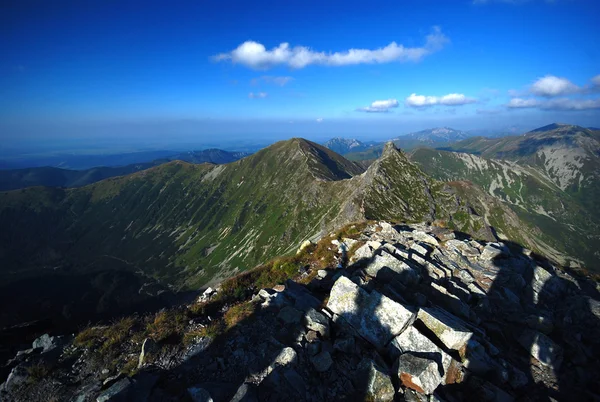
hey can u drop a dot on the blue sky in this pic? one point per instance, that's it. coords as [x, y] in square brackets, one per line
[310, 68]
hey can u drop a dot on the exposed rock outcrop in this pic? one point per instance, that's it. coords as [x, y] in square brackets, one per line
[420, 313]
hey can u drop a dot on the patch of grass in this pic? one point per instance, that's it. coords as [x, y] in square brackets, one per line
[237, 313]
[89, 337]
[130, 366]
[117, 333]
[37, 372]
[167, 324]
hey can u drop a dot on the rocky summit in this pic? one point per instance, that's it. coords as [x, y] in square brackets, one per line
[398, 312]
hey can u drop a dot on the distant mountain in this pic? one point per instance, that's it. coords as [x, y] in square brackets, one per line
[430, 137]
[344, 146]
[81, 161]
[213, 155]
[567, 154]
[57, 177]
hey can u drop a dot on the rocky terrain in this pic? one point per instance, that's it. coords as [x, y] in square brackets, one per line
[379, 312]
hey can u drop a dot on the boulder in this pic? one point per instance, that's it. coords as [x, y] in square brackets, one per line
[373, 382]
[245, 393]
[413, 341]
[418, 373]
[424, 237]
[287, 356]
[47, 342]
[289, 315]
[317, 321]
[542, 348]
[441, 296]
[405, 273]
[321, 361]
[363, 253]
[375, 317]
[446, 327]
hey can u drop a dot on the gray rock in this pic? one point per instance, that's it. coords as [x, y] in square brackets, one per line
[441, 296]
[411, 340]
[119, 391]
[406, 274]
[47, 342]
[542, 348]
[447, 328]
[419, 374]
[245, 393]
[375, 317]
[199, 395]
[477, 360]
[18, 375]
[420, 249]
[289, 315]
[318, 322]
[313, 348]
[462, 248]
[424, 237]
[287, 356]
[364, 252]
[322, 273]
[322, 361]
[374, 382]
[345, 345]
[494, 250]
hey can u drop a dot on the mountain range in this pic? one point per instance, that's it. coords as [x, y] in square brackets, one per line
[433, 137]
[183, 226]
[11, 179]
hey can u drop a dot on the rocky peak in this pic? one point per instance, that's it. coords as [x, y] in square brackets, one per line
[403, 312]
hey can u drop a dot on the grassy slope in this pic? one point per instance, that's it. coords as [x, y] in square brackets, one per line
[564, 223]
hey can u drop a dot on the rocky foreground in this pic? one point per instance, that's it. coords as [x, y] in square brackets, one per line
[416, 313]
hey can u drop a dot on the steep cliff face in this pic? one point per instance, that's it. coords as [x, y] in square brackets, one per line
[376, 312]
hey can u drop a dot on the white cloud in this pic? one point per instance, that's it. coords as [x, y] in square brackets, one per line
[596, 80]
[269, 79]
[551, 85]
[380, 106]
[420, 101]
[255, 55]
[319, 120]
[520, 103]
[257, 95]
[571, 104]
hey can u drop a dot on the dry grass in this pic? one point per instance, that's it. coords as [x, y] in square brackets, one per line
[167, 324]
[37, 372]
